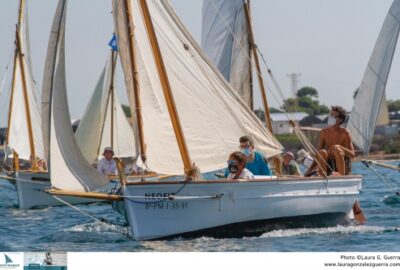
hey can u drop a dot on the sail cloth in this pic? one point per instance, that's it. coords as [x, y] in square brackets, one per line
[225, 40]
[94, 131]
[18, 136]
[69, 170]
[212, 115]
[370, 108]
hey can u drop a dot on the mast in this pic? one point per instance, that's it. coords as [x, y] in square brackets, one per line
[257, 63]
[250, 66]
[166, 88]
[136, 86]
[19, 57]
[113, 63]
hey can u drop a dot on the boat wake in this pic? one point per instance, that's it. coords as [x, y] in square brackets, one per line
[339, 230]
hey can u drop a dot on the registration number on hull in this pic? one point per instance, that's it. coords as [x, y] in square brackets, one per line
[166, 205]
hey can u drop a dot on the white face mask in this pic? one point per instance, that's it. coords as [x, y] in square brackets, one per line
[331, 120]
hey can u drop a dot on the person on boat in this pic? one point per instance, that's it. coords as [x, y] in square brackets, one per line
[48, 260]
[107, 165]
[335, 149]
[304, 158]
[237, 167]
[256, 163]
[289, 167]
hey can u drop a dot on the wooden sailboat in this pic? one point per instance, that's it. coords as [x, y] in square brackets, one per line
[192, 115]
[24, 135]
[370, 107]
[31, 186]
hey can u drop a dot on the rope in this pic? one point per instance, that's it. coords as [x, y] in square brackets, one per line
[91, 216]
[390, 183]
[6, 73]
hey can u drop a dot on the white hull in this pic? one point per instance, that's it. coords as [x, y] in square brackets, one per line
[30, 189]
[193, 209]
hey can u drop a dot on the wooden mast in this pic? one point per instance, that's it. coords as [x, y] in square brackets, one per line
[251, 66]
[19, 57]
[166, 88]
[113, 63]
[136, 86]
[257, 62]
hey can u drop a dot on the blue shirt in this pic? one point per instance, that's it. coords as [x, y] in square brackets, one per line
[258, 166]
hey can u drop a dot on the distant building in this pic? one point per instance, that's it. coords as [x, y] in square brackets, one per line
[281, 121]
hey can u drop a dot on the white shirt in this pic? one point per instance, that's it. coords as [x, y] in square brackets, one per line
[246, 174]
[107, 167]
[308, 161]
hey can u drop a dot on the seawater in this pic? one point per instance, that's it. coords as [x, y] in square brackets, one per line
[65, 229]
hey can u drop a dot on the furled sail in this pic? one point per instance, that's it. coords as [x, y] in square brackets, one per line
[95, 128]
[69, 170]
[21, 105]
[225, 39]
[212, 115]
[370, 108]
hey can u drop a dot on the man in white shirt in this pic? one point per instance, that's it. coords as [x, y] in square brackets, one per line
[237, 167]
[106, 165]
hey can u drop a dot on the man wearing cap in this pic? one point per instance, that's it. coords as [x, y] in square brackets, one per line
[106, 165]
[289, 167]
[335, 150]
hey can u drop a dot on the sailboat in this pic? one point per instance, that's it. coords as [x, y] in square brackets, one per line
[188, 115]
[31, 185]
[370, 107]
[24, 136]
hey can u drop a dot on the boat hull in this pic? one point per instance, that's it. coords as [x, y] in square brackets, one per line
[30, 189]
[156, 210]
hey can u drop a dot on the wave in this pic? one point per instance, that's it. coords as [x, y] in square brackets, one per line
[339, 230]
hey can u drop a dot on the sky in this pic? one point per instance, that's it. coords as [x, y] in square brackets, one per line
[328, 41]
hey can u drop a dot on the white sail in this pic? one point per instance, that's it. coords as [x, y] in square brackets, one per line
[212, 115]
[370, 106]
[225, 39]
[69, 170]
[123, 139]
[18, 136]
[94, 131]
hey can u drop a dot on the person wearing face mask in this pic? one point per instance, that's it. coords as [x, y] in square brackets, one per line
[236, 167]
[335, 149]
[256, 162]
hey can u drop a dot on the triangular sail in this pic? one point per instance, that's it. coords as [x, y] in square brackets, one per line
[18, 135]
[370, 106]
[212, 115]
[69, 170]
[225, 39]
[94, 131]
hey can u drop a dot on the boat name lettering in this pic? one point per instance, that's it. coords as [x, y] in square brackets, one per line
[157, 196]
[166, 205]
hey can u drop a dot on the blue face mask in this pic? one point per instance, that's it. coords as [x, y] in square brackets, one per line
[246, 151]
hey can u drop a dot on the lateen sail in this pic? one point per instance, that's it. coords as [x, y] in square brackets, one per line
[370, 108]
[212, 115]
[69, 170]
[225, 40]
[18, 136]
[94, 131]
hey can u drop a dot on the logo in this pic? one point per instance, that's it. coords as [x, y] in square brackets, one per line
[7, 262]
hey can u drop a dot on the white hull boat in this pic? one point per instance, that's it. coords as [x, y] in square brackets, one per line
[31, 189]
[160, 210]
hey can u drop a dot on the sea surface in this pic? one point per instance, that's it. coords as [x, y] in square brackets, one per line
[66, 229]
